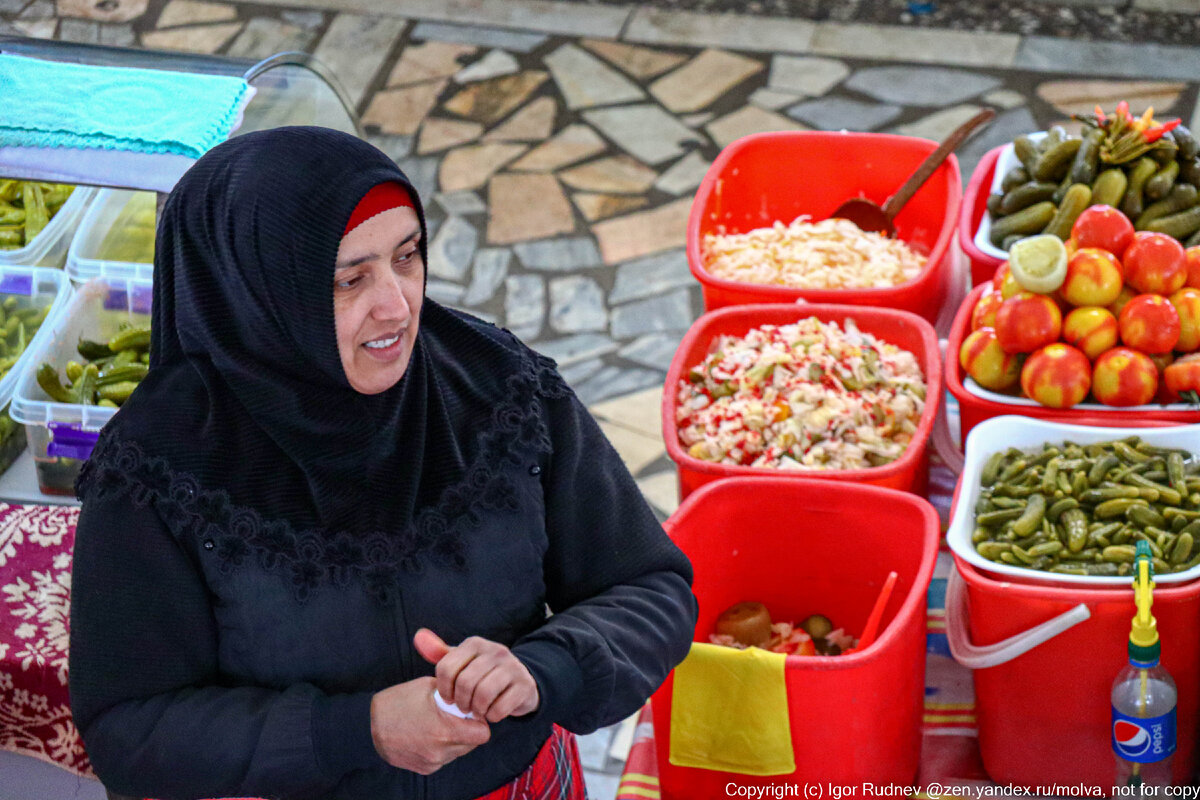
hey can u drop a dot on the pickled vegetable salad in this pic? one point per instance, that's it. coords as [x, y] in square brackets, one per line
[802, 396]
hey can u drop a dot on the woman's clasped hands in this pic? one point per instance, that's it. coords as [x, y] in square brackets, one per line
[479, 676]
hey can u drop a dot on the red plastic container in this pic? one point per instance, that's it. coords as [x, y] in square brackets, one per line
[910, 472]
[1044, 716]
[768, 177]
[854, 718]
[974, 206]
[973, 410]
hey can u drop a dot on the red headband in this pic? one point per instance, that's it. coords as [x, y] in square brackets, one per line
[382, 197]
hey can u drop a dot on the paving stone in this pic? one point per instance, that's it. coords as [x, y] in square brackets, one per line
[264, 37]
[102, 10]
[402, 110]
[920, 86]
[491, 101]
[444, 292]
[422, 173]
[703, 80]
[470, 167]
[645, 131]
[37, 28]
[639, 411]
[593, 748]
[534, 122]
[580, 347]
[492, 65]
[524, 304]
[580, 371]
[695, 121]
[1195, 123]
[1005, 98]
[918, 45]
[524, 207]
[192, 12]
[643, 233]
[487, 274]
[1169, 6]
[692, 29]
[615, 175]
[461, 203]
[1081, 97]
[611, 381]
[658, 314]
[452, 248]
[484, 37]
[655, 350]
[559, 255]
[772, 99]
[637, 451]
[585, 81]
[685, 175]
[643, 63]
[806, 75]
[309, 20]
[394, 146]
[442, 134]
[602, 206]
[838, 113]
[1114, 59]
[427, 61]
[577, 305]
[650, 276]
[661, 490]
[12, 6]
[938, 125]
[354, 47]
[86, 31]
[193, 39]
[573, 143]
[38, 9]
[748, 120]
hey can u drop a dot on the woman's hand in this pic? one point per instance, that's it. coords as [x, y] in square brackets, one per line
[480, 676]
[410, 731]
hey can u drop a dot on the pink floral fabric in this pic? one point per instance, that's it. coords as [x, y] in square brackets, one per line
[36, 543]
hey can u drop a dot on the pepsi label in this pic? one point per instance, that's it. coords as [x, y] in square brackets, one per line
[1143, 739]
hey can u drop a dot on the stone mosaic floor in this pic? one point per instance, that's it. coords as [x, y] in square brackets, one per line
[558, 146]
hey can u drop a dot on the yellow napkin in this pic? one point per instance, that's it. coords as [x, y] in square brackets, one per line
[729, 712]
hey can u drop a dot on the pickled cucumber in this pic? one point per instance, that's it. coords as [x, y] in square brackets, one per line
[1026, 221]
[1182, 197]
[1026, 195]
[1109, 187]
[1142, 171]
[1077, 198]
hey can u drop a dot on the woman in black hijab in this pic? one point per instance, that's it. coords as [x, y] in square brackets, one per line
[327, 483]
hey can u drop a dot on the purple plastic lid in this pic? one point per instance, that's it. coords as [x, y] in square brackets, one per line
[118, 300]
[70, 442]
[16, 284]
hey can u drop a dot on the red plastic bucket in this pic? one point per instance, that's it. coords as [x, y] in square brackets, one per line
[1044, 716]
[910, 472]
[803, 547]
[973, 409]
[974, 206]
[768, 177]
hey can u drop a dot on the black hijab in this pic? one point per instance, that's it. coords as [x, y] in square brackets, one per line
[246, 420]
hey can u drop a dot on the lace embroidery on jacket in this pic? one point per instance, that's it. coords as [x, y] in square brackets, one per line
[308, 558]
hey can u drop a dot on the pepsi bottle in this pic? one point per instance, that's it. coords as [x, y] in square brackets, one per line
[1143, 722]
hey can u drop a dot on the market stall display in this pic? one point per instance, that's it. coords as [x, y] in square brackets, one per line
[115, 238]
[37, 220]
[770, 178]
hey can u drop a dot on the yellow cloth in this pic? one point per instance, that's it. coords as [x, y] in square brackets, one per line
[729, 712]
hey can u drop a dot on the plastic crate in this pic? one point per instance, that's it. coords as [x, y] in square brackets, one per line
[61, 435]
[49, 248]
[32, 288]
[787, 543]
[901, 328]
[768, 177]
[976, 404]
[111, 241]
[974, 209]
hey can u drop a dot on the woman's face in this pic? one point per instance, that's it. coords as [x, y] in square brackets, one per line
[378, 286]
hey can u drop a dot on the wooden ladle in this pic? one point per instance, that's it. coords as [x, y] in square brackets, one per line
[870, 217]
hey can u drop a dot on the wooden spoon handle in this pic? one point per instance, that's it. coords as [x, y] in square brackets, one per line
[894, 203]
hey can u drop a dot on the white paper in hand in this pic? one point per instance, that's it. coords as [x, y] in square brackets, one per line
[450, 708]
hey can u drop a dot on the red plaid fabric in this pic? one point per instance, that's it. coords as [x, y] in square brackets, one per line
[555, 773]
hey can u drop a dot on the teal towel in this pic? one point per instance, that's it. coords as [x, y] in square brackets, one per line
[50, 104]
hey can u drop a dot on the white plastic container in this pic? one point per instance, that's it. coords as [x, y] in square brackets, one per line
[115, 213]
[1007, 160]
[49, 248]
[61, 435]
[37, 288]
[1026, 433]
